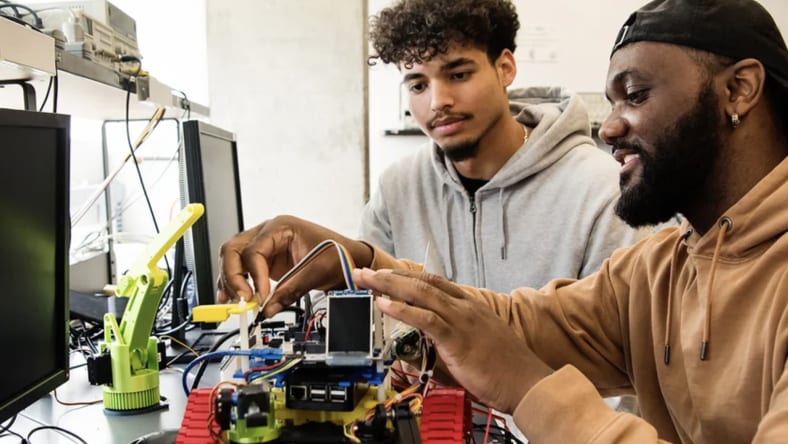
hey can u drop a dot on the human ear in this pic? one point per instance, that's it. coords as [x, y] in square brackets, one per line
[506, 67]
[744, 84]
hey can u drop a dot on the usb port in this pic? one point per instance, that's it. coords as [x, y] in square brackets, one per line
[338, 394]
[317, 393]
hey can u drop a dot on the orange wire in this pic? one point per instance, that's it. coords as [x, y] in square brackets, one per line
[76, 402]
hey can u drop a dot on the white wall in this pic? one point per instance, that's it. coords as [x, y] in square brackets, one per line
[289, 77]
[580, 34]
[561, 42]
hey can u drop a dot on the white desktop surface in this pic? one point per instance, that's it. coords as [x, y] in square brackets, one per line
[90, 422]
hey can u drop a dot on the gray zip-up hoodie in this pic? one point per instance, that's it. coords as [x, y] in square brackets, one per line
[547, 213]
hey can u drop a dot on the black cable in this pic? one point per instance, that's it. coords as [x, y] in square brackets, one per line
[22, 438]
[16, 11]
[214, 347]
[177, 357]
[131, 148]
[180, 275]
[57, 429]
[4, 428]
[173, 330]
[165, 294]
[170, 291]
[293, 308]
[37, 22]
[500, 432]
[19, 21]
[87, 338]
[187, 105]
[160, 312]
[54, 95]
[185, 284]
[46, 96]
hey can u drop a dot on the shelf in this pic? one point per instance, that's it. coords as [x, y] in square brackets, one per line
[85, 88]
[94, 91]
[25, 53]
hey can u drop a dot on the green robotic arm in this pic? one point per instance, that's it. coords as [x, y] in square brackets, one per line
[131, 380]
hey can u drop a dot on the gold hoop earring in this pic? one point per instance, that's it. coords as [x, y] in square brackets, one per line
[735, 121]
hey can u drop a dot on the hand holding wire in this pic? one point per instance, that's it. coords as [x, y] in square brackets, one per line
[277, 249]
[464, 331]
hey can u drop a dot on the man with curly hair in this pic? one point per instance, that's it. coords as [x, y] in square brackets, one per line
[506, 194]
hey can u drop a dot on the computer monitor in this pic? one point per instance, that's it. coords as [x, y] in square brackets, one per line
[210, 175]
[34, 234]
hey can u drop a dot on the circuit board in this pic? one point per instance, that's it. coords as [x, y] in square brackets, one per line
[324, 378]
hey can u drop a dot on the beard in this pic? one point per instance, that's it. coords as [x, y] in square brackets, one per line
[461, 151]
[679, 167]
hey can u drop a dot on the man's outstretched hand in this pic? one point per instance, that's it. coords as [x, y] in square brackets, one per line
[477, 347]
[269, 250]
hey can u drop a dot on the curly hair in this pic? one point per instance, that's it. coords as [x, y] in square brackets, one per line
[415, 31]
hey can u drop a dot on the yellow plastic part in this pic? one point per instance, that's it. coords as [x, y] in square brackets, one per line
[220, 312]
[145, 265]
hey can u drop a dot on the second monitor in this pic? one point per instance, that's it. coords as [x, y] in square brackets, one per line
[210, 175]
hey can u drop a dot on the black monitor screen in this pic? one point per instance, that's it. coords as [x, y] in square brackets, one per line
[34, 265]
[349, 321]
[211, 176]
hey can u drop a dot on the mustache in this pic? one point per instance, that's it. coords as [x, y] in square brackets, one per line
[445, 116]
[629, 146]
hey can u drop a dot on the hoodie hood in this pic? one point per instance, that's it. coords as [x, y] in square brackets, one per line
[757, 219]
[751, 225]
[504, 235]
[557, 128]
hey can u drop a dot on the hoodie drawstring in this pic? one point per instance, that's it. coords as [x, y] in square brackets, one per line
[446, 202]
[503, 223]
[668, 315]
[704, 345]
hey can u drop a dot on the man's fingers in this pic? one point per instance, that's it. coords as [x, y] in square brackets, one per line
[222, 295]
[272, 308]
[431, 323]
[286, 294]
[256, 263]
[232, 279]
[412, 287]
[436, 281]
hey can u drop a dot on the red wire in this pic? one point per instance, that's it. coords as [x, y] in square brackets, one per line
[262, 369]
[489, 421]
[499, 418]
[311, 321]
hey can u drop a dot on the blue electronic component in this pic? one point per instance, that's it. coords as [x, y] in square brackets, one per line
[350, 293]
[260, 353]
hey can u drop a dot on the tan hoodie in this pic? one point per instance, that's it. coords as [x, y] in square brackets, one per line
[608, 334]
